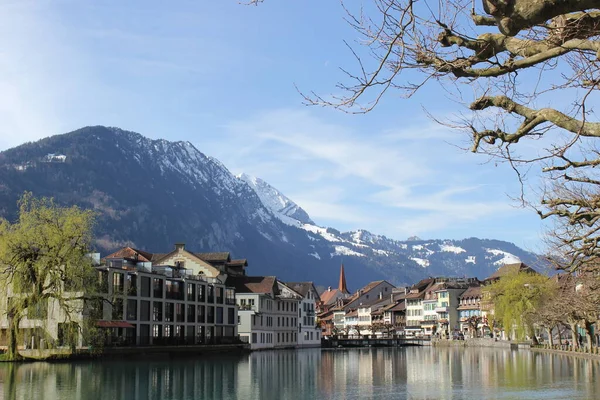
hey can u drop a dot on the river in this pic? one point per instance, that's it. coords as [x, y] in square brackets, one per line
[377, 373]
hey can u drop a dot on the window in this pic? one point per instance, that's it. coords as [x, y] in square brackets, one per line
[220, 297]
[174, 290]
[157, 311]
[117, 309]
[201, 314]
[211, 294]
[191, 292]
[132, 285]
[191, 313]
[254, 337]
[169, 312]
[179, 312]
[118, 282]
[230, 297]
[131, 309]
[156, 331]
[231, 316]
[144, 310]
[210, 315]
[157, 288]
[145, 283]
[202, 293]
[103, 281]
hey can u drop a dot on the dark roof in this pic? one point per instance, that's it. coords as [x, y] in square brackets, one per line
[352, 313]
[302, 287]
[253, 284]
[397, 307]
[472, 291]
[238, 263]
[221, 257]
[510, 269]
[131, 253]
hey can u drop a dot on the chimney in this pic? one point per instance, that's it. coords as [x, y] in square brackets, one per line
[380, 296]
[329, 288]
[179, 246]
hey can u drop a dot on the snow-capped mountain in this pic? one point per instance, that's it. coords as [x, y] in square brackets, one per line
[281, 206]
[154, 193]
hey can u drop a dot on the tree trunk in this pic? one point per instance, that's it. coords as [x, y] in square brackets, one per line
[588, 335]
[574, 341]
[559, 334]
[13, 328]
[550, 339]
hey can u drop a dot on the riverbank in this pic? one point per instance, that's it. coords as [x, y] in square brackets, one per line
[541, 349]
[480, 342]
[137, 352]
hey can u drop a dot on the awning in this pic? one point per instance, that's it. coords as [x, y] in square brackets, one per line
[114, 324]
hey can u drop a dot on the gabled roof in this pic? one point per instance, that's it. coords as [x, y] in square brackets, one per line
[510, 269]
[222, 257]
[329, 296]
[472, 291]
[253, 284]
[303, 288]
[401, 306]
[131, 253]
[352, 313]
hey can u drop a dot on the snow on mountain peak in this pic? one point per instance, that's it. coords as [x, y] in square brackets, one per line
[280, 205]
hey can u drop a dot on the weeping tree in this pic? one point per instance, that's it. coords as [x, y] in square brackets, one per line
[45, 272]
[516, 299]
[519, 70]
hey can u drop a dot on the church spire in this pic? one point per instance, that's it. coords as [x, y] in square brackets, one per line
[342, 285]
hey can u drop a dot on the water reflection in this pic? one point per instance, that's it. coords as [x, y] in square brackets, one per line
[411, 373]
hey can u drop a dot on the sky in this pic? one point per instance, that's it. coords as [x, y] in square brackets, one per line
[226, 77]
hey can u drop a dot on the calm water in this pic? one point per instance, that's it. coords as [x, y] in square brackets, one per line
[385, 373]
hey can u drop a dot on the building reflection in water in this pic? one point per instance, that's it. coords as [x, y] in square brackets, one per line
[313, 374]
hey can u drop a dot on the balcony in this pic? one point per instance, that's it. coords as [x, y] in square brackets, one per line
[247, 307]
[429, 322]
[441, 309]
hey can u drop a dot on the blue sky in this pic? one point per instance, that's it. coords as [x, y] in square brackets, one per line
[224, 76]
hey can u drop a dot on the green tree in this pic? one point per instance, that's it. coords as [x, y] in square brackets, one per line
[516, 297]
[44, 265]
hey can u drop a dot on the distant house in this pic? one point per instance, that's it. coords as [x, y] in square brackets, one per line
[509, 269]
[329, 297]
[51, 157]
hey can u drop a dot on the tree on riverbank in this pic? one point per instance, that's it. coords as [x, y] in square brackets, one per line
[515, 298]
[44, 267]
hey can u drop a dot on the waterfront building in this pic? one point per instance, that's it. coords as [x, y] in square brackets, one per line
[268, 312]
[414, 306]
[309, 333]
[447, 303]
[147, 299]
[174, 298]
[469, 311]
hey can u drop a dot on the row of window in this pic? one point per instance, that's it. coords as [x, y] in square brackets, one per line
[282, 337]
[164, 312]
[166, 288]
[281, 321]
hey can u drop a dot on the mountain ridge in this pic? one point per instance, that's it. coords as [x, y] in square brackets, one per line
[154, 192]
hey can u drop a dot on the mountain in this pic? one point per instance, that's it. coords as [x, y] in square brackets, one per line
[154, 193]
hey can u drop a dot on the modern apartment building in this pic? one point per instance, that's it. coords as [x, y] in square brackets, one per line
[174, 298]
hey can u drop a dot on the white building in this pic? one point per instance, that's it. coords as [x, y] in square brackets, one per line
[268, 312]
[309, 333]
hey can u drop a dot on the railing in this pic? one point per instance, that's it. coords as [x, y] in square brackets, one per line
[247, 307]
[441, 309]
[116, 341]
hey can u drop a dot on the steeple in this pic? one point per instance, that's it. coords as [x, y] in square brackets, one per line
[342, 286]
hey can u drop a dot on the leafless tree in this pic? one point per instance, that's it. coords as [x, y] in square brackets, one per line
[527, 71]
